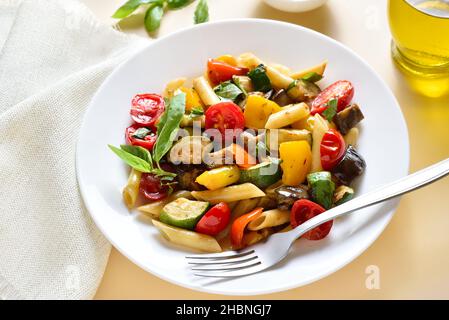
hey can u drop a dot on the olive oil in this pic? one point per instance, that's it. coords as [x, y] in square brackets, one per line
[420, 46]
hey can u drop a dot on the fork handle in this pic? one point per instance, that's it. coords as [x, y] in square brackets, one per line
[404, 185]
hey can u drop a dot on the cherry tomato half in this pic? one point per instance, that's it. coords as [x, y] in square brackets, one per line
[146, 109]
[214, 220]
[304, 210]
[341, 90]
[148, 140]
[332, 149]
[152, 188]
[225, 115]
[219, 71]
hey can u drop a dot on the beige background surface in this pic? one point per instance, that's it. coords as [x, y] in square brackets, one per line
[412, 253]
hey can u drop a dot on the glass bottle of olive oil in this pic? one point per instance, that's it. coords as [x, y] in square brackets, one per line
[420, 30]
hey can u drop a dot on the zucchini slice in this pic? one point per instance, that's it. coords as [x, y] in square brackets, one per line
[262, 175]
[183, 213]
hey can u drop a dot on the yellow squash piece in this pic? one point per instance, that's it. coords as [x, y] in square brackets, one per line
[258, 110]
[192, 99]
[220, 177]
[296, 159]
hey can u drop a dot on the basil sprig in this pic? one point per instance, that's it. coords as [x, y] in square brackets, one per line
[331, 109]
[136, 157]
[156, 8]
[260, 80]
[168, 126]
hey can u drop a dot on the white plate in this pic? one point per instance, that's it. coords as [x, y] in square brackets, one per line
[101, 175]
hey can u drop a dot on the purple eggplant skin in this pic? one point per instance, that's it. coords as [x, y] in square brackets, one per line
[350, 166]
[286, 195]
[348, 118]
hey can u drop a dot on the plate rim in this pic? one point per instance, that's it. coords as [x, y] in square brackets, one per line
[394, 203]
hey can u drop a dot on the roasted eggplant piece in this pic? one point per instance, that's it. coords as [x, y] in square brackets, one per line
[350, 166]
[348, 118]
[281, 98]
[301, 90]
[286, 195]
[186, 176]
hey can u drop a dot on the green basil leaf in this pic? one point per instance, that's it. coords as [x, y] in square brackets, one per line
[129, 7]
[312, 77]
[331, 109]
[137, 151]
[169, 125]
[153, 17]
[196, 112]
[177, 4]
[228, 91]
[201, 12]
[260, 80]
[132, 160]
[141, 133]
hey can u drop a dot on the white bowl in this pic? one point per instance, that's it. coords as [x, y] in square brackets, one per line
[295, 5]
[101, 175]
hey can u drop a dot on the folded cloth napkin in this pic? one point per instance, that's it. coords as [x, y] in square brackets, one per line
[53, 57]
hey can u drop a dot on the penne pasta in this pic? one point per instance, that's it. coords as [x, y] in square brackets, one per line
[317, 69]
[172, 86]
[248, 60]
[245, 206]
[278, 79]
[281, 68]
[131, 190]
[253, 237]
[154, 208]
[319, 129]
[270, 218]
[287, 116]
[205, 91]
[229, 194]
[351, 137]
[188, 238]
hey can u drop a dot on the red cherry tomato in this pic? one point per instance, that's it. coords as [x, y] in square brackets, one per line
[219, 71]
[341, 90]
[146, 109]
[332, 149]
[304, 210]
[215, 220]
[147, 142]
[151, 187]
[225, 115]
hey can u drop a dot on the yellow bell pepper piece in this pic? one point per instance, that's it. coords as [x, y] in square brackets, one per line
[227, 58]
[296, 159]
[258, 110]
[192, 99]
[219, 178]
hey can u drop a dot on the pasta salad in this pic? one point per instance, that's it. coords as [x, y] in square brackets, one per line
[246, 150]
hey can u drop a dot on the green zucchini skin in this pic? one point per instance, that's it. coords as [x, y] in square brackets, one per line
[183, 213]
[258, 177]
[321, 188]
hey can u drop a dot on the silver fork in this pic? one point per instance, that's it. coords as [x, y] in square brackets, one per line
[264, 255]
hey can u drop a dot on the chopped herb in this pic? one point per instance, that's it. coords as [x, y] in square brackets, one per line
[331, 109]
[196, 112]
[312, 77]
[141, 133]
[260, 80]
[229, 91]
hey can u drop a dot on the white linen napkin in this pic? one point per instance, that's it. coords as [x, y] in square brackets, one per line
[53, 57]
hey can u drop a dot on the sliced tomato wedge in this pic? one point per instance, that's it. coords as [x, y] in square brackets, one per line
[239, 225]
[219, 71]
[304, 210]
[140, 136]
[341, 90]
[152, 188]
[226, 117]
[332, 149]
[146, 109]
[214, 220]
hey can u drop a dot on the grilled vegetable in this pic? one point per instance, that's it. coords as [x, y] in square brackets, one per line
[348, 118]
[321, 188]
[186, 176]
[263, 174]
[183, 213]
[281, 98]
[220, 177]
[287, 195]
[257, 111]
[350, 167]
[300, 90]
[296, 159]
[343, 194]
